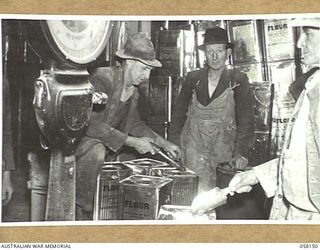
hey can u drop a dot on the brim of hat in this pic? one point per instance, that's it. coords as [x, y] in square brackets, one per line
[152, 63]
[305, 22]
[229, 45]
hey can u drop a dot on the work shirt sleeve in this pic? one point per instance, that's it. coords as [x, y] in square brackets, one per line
[136, 126]
[111, 137]
[266, 173]
[139, 128]
[244, 116]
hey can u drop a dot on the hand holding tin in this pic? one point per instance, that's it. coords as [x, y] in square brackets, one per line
[239, 162]
[173, 150]
[166, 156]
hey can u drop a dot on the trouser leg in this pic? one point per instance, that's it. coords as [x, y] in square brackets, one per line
[88, 166]
[38, 183]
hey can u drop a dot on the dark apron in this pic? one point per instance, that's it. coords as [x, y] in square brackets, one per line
[208, 137]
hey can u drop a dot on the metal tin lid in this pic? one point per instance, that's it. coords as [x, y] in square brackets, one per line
[143, 180]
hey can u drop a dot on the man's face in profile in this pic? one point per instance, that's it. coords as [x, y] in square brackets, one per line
[139, 72]
[309, 43]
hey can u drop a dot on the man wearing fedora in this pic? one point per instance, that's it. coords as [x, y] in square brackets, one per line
[293, 179]
[213, 117]
[118, 123]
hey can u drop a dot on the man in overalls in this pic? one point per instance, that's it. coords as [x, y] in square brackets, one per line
[294, 178]
[214, 112]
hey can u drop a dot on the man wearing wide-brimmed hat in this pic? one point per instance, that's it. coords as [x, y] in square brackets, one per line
[118, 123]
[213, 117]
[293, 179]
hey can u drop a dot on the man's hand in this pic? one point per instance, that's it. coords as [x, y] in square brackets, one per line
[142, 145]
[7, 188]
[242, 182]
[173, 150]
[239, 162]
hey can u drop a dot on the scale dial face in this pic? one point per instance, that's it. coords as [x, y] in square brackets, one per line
[80, 41]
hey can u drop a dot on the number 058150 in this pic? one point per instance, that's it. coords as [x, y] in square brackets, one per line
[309, 245]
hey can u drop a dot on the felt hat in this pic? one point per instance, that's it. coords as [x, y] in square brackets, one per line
[216, 36]
[139, 47]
